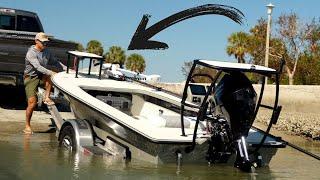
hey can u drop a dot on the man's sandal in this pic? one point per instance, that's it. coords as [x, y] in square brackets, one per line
[49, 103]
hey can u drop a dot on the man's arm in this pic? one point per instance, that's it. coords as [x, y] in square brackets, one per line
[32, 58]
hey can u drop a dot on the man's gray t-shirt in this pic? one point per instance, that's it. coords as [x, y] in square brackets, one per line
[38, 62]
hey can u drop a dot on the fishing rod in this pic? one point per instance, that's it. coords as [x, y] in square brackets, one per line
[292, 145]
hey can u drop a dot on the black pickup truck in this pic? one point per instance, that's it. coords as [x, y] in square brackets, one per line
[17, 31]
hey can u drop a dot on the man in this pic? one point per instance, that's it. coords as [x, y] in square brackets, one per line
[37, 72]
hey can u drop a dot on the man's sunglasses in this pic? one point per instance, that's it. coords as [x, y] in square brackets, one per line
[44, 43]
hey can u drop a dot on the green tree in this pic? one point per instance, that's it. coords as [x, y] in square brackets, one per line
[135, 62]
[308, 71]
[257, 46]
[94, 46]
[79, 46]
[237, 46]
[257, 42]
[115, 55]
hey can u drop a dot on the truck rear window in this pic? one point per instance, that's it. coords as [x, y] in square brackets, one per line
[27, 23]
[7, 22]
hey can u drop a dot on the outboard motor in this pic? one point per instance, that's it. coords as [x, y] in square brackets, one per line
[235, 102]
[237, 99]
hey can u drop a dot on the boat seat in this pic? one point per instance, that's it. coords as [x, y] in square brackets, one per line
[152, 120]
[175, 121]
[168, 121]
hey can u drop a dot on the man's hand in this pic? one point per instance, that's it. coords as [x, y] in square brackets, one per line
[53, 73]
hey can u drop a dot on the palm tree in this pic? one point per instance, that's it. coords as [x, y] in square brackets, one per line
[95, 47]
[135, 62]
[79, 46]
[238, 45]
[115, 55]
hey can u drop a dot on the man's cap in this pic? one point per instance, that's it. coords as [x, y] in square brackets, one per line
[42, 37]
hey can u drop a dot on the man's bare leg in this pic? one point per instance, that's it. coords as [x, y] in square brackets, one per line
[32, 102]
[48, 87]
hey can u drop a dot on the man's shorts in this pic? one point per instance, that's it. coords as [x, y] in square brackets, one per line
[31, 84]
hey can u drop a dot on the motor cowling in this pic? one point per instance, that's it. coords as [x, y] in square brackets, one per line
[236, 96]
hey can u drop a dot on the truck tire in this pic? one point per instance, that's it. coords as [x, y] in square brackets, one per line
[67, 139]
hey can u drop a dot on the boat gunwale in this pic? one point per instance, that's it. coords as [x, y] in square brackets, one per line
[152, 139]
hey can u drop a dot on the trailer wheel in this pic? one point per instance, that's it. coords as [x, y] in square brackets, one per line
[67, 139]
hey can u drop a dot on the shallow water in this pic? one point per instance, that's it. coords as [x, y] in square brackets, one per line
[39, 157]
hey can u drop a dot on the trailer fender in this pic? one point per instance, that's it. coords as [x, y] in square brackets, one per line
[82, 132]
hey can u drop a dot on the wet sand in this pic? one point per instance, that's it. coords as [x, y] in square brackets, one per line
[12, 112]
[14, 120]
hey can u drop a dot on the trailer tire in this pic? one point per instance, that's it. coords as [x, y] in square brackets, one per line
[67, 139]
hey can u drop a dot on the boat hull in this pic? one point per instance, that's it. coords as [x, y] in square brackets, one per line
[162, 152]
[142, 148]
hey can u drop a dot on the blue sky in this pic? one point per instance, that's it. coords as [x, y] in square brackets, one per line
[114, 22]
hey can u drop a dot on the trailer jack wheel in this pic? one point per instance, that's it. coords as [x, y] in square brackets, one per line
[67, 139]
